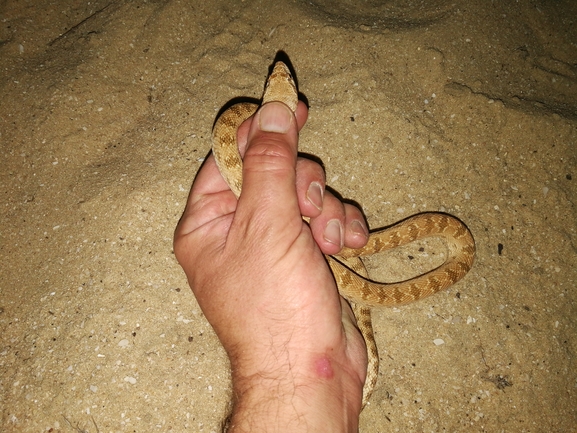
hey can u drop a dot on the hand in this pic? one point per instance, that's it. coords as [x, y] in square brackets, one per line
[258, 272]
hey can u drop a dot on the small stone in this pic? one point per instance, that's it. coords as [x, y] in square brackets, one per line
[438, 341]
[130, 379]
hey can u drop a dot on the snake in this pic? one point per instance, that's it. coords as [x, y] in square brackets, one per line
[348, 269]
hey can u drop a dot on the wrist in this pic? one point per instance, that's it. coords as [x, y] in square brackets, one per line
[316, 393]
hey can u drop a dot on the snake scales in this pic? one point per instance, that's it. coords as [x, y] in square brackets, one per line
[348, 269]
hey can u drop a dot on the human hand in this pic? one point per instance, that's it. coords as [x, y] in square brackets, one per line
[259, 275]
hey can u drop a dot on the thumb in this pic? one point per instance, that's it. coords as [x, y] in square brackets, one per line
[269, 176]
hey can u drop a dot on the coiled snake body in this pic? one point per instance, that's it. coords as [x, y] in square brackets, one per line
[348, 269]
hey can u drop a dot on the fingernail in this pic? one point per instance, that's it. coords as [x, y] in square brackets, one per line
[358, 228]
[315, 195]
[334, 233]
[275, 117]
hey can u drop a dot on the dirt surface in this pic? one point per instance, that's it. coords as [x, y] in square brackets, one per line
[466, 107]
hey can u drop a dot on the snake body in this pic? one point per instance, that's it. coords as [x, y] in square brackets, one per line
[347, 267]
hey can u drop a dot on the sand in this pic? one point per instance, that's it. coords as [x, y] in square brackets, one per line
[106, 113]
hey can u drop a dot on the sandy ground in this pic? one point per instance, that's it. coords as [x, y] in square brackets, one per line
[105, 117]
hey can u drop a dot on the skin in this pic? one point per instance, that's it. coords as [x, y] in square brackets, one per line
[257, 270]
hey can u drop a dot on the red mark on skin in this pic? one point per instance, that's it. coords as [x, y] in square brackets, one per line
[323, 368]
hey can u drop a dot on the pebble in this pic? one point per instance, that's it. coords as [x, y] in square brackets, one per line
[438, 341]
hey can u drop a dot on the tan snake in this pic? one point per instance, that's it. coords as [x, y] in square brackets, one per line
[348, 269]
